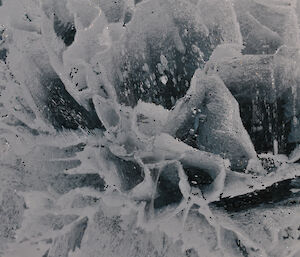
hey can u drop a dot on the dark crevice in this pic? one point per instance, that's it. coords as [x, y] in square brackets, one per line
[131, 174]
[241, 247]
[198, 178]
[3, 54]
[66, 31]
[168, 190]
[275, 193]
[267, 123]
[65, 112]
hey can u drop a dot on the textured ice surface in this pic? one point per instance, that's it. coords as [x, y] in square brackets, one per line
[149, 128]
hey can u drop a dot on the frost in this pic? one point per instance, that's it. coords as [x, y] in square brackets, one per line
[149, 128]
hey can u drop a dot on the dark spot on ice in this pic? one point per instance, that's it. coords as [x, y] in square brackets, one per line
[137, 1]
[3, 54]
[65, 31]
[127, 18]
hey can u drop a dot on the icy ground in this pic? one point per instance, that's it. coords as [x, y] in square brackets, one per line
[149, 128]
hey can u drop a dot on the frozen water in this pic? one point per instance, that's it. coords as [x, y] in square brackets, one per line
[149, 128]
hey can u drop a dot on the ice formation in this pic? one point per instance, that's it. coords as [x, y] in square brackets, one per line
[149, 128]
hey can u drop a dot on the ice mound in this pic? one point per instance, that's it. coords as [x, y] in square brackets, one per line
[159, 43]
[207, 113]
[266, 88]
[266, 25]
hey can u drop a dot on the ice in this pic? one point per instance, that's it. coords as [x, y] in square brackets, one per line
[71, 239]
[151, 22]
[210, 133]
[127, 126]
[258, 39]
[268, 82]
[220, 18]
[278, 21]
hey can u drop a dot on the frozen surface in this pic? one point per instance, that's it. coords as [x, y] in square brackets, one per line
[149, 128]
